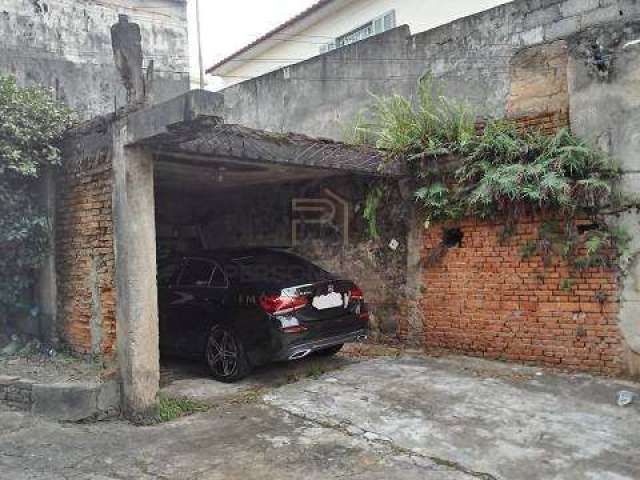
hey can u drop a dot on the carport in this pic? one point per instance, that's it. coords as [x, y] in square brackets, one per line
[166, 154]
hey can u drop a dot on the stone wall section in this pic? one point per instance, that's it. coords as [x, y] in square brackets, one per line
[539, 80]
[66, 401]
[16, 392]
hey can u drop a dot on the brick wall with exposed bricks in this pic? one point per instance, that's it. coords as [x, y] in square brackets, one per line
[485, 298]
[84, 253]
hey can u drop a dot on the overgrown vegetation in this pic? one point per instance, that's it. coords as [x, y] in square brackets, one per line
[460, 170]
[31, 125]
[372, 202]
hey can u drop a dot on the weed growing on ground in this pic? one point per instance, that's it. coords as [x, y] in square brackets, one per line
[169, 408]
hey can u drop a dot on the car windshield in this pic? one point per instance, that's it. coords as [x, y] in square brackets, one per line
[277, 268]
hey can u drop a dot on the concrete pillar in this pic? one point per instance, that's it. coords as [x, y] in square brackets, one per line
[629, 316]
[46, 290]
[136, 290]
[415, 241]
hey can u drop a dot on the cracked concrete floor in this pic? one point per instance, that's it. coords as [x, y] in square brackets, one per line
[406, 418]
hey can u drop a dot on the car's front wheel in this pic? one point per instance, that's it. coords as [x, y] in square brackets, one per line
[225, 355]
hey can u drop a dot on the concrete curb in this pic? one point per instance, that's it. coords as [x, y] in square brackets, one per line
[62, 401]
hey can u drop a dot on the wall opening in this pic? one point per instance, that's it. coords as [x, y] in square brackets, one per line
[452, 237]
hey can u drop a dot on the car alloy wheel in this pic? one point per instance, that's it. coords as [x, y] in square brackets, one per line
[225, 355]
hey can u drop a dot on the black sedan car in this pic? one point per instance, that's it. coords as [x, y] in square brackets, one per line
[242, 308]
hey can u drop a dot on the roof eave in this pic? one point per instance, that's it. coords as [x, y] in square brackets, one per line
[290, 27]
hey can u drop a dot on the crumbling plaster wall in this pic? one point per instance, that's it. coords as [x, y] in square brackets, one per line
[605, 108]
[66, 45]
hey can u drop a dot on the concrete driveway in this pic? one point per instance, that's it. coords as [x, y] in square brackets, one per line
[382, 418]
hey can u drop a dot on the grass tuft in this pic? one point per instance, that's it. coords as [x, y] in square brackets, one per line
[169, 408]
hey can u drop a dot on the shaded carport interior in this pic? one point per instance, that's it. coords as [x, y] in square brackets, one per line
[233, 172]
[179, 154]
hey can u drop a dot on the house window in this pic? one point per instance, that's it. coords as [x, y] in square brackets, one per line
[374, 27]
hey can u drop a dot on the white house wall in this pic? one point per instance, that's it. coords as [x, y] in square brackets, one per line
[419, 15]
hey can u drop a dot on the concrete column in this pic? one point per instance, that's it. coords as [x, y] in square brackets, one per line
[136, 290]
[629, 316]
[46, 287]
[415, 241]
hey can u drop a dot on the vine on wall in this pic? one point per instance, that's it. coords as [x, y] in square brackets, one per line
[501, 171]
[32, 123]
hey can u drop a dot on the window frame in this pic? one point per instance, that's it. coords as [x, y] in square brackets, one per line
[338, 42]
[224, 276]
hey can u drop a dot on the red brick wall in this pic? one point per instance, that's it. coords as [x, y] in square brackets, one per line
[548, 123]
[84, 253]
[483, 298]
